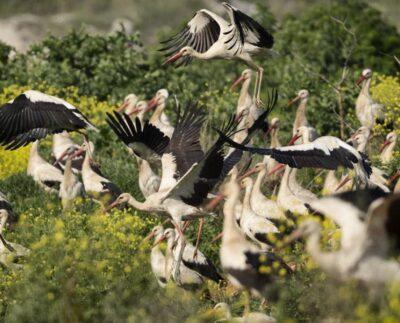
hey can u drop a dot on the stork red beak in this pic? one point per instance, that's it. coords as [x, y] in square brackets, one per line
[148, 237]
[122, 107]
[173, 58]
[214, 202]
[293, 140]
[237, 82]
[360, 80]
[77, 153]
[248, 173]
[152, 103]
[217, 237]
[133, 111]
[276, 169]
[111, 206]
[343, 183]
[384, 145]
[160, 240]
[65, 153]
[297, 98]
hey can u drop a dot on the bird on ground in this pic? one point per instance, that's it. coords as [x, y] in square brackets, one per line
[175, 269]
[260, 204]
[97, 187]
[46, 175]
[157, 258]
[371, 231]
[325, 152]
[252, 317]
[33, 115]
[301, 116]
[61, 148]
[367, 110]
[256, 227]
[129, 104]
[9, 218]
[242, 260]
[70, 187]
[387, 148]
[208, 36]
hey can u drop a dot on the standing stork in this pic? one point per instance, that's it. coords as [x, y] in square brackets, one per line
[70, 187]
[157, 258]
[97, 187]
[301, 116]
[208, 36]
[46, 175]
[159, 101]
[367, 110]
[129, 104]
[242, 260]
[61, 149]
[387, 148]
[33, 115]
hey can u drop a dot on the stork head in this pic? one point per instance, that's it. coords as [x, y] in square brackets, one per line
[130, 100]
[160, 97]
[170, 235]
[223, 308]
[301, 95]
[390, 138]
[257, 168]
[365, 75]
[246, 182]
[141, 107]
[274, 124]
[246, 74]
[185, 51]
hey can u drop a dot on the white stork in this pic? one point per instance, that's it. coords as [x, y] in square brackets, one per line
[325, 152]
[157, 258]
[367, 110]
[97, 187]
[370, 229]
[149, 181]
[256, 227]
[301, 116]
[241, 259]
[387, 148]
[70, 187]
[46, 175]
[275, 143]
[33, 115]
[129, 104]
[159, 101]
[61, 148]
[188, 174]
[208, 36]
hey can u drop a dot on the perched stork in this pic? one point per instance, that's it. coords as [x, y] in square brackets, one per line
[96, 186]
[33, 115]
[46, 175]
[325, 152]
[70, 187]
[8, 217]
[301, 116]
[61, 148]
[208, 36]
[129, 104]
[256, 227]
[387, 148]
[370, 233]
[367, 110]
[157, 258]
[254, 317]
[242, 260]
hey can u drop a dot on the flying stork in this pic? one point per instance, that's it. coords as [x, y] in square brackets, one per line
[33, 115]
[208, 36]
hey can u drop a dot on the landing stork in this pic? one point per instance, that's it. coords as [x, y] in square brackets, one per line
[208, 36]
[33, 115]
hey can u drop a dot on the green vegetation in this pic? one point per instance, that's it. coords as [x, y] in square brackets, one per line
[87, 266]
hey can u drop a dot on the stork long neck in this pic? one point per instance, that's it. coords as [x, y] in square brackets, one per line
[388, 151]
[365, 87]
[157, 113]
[136, 204]
[362, 146]
[230, 229]
[34, 156]
[301, 118]
[247, 195]
[68, 173]
[259, 181]
[274, 138]
[244, 91]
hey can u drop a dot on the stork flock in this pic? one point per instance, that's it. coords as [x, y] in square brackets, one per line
[182, 182]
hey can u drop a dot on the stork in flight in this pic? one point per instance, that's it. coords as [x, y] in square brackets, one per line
[33, 115]
[208, 36]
